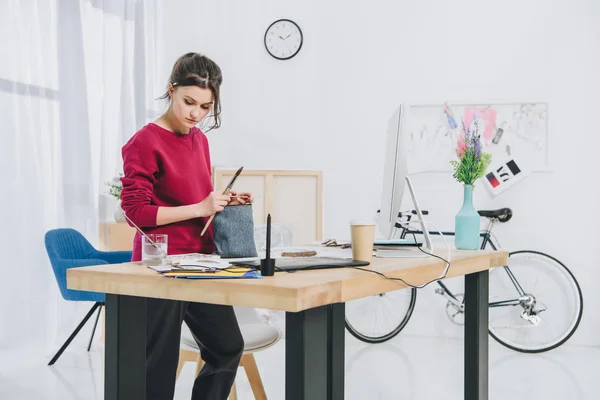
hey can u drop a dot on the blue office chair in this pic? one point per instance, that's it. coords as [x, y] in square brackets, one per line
[66, 249]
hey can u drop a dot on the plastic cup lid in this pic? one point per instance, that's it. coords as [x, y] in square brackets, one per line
[362, 221]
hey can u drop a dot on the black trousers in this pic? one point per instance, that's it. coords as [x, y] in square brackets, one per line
[218, 335]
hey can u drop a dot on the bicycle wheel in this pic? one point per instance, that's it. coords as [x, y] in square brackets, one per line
[535, 303]
[376, 319]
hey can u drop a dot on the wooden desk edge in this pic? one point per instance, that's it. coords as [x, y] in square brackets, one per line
[352, 290]
[247, 294]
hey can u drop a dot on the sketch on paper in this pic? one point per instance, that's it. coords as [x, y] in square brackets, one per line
[507, 130]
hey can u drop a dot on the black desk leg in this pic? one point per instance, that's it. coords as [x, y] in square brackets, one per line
[314, 353]
[125, 353]
[476, 335]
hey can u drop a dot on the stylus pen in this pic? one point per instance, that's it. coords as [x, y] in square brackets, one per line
[268, 236]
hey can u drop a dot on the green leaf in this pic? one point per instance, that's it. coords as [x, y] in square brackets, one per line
[469, 169]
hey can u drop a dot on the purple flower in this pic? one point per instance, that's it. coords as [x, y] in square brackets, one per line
[467, 136]
[472, 140]
[477, 146]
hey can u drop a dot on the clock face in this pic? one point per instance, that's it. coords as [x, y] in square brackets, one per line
[283, 39]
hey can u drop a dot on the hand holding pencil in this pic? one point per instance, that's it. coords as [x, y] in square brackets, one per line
[214, 203]
[226, 192]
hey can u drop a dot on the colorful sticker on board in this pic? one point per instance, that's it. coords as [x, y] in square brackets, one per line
[503, 175]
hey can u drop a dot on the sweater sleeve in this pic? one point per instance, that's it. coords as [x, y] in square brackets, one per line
[138, 188]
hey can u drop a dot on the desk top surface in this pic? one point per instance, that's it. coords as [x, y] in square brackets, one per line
[294, 292]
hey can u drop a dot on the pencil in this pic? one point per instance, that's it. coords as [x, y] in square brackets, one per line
[207, 224]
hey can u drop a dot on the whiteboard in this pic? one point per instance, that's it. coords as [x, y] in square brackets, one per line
[518, 131]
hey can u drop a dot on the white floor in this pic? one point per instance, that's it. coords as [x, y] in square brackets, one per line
[403, 368]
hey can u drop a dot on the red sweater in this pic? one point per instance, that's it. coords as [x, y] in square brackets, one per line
[162, 168]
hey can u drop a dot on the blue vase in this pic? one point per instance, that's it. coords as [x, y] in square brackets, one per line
[467, 223]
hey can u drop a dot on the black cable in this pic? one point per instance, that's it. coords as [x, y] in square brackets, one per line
[406, 283]
[383, 275]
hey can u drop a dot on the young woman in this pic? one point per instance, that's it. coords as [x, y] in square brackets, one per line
[167, 189]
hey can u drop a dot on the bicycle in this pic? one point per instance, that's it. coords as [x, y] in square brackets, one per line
[522, 316]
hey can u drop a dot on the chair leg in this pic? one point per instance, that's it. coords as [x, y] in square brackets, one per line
[249, 364]
[199, 365]
[94, 329]
[103, 334]
[233, 393]
[75, 332]
[184, 356]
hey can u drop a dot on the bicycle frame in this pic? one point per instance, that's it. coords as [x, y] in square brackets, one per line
[487, 239]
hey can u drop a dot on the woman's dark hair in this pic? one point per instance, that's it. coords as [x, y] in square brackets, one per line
[193, 69]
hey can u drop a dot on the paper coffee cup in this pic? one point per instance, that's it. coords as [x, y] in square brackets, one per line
[362, 233]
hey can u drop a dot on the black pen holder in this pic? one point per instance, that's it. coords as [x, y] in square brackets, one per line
[267, 267]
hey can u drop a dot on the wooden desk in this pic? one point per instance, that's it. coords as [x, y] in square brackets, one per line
[314, 302]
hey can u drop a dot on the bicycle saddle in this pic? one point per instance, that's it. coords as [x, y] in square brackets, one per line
[502, 214]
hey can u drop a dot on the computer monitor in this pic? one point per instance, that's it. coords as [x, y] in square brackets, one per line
[395, 179]
[394, 170]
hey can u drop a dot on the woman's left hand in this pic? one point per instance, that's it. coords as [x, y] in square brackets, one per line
[240, 198]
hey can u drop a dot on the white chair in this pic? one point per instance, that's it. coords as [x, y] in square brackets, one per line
[258, 335]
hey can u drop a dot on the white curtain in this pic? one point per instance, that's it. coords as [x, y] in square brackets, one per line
[76, 79]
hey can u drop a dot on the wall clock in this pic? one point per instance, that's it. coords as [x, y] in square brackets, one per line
[283, 39]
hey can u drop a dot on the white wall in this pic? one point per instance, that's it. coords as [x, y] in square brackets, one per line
[328, 107]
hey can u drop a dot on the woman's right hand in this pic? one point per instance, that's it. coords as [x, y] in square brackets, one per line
[213, 203]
